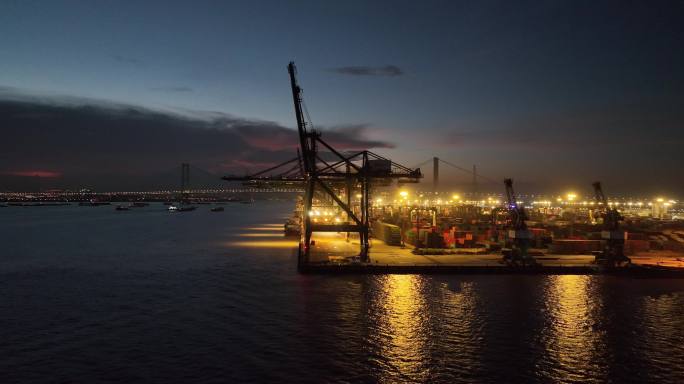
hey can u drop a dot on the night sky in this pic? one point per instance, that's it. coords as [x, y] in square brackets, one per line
[113, 95]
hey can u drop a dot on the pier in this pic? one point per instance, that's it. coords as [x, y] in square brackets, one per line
[331, 254]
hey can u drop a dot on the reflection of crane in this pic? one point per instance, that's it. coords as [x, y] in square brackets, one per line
[518, 231]
[331, 178]
[613, 250]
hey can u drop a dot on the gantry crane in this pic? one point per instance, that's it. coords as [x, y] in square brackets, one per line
[333, 177]
[518, 232]
[613, 253]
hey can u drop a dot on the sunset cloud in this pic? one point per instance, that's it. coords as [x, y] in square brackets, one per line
[112, 144]
[33, 173]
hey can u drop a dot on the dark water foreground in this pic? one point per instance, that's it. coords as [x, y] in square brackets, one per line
[93, 295]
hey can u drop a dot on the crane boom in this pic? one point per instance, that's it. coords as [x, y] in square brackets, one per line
[306, 139]
[611, 216]
[516, 212]
[518, 232]
[614, 238]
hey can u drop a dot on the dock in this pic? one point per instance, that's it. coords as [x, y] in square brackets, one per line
[330, 254]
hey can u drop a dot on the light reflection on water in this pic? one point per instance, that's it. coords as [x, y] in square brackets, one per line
[265, 244]
[271, 235]
[403, 326]
[266, 229]
[419, 326]
[572, 339]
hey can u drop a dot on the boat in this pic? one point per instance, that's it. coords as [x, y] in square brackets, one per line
[121, 208]
[250, 201]
[181, 208]
[217, 209]
[139, 204]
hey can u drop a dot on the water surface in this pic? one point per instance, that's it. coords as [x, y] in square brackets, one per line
[88, 294]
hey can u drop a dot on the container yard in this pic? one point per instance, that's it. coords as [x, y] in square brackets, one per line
[361, 212]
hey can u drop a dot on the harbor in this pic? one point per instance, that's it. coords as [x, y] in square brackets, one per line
[371, 192]
[361, 212]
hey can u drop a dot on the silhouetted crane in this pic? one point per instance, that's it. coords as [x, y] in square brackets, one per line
[518, 232]
[614, 238]
[327, 178]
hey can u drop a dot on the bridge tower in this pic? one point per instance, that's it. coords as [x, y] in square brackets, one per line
[435, 174]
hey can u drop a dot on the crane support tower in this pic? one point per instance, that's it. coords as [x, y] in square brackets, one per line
[435, 174]
[331, 178]
[518, 233]
[613, 236]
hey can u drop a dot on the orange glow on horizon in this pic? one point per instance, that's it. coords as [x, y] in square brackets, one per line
[258, 235]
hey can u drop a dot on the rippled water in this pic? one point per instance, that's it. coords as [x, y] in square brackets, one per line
[88, 294]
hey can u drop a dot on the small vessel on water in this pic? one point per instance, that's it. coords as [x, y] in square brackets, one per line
[217, 209]
[250, 201]
[121, 208]
[181, 208]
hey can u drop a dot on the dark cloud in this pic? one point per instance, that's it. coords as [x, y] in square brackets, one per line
[172, 89]
[114, 146]
[351, 137]
[387, 70]
[610, 129]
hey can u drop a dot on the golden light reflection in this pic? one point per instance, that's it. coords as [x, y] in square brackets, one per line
[571, 342]
[264, 244]
[272, 229]
[404, 320]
